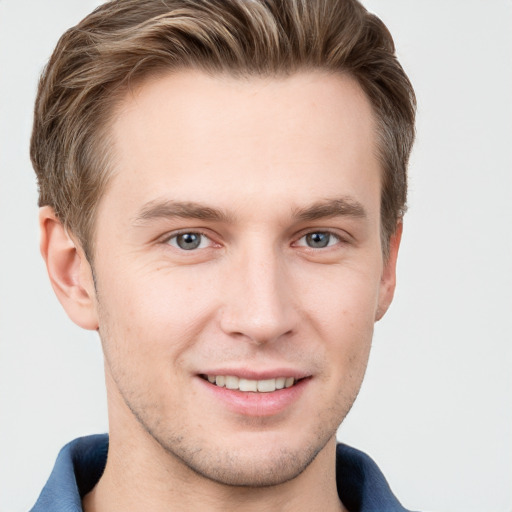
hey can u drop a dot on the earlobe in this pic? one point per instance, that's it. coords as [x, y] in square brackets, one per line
[68, 269]
[388, 279]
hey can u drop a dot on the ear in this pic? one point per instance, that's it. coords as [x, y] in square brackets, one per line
[388, 279]
[69, 271]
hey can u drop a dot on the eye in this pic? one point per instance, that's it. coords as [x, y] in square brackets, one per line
[189, 241]
[318, 240]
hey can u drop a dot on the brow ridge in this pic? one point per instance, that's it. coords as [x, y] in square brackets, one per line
[328, 208]
[335, 207]
[180, 209]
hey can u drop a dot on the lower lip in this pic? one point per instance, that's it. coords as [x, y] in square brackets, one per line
[257, 404]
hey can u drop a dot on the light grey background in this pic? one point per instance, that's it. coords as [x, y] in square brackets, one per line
[436, 407]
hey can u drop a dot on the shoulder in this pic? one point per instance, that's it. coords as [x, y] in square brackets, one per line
[361, 485]
[77, 469]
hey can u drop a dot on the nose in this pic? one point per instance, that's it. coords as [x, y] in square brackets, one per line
[259, 305]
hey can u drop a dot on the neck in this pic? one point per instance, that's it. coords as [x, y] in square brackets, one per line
[140, 477]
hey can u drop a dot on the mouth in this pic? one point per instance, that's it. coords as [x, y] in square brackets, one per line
[248, 393]
[235, 383]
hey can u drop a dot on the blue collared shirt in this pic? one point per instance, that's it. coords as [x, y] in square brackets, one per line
[80, 464]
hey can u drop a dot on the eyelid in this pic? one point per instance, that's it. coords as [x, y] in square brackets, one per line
[342, 237]
[165, 239]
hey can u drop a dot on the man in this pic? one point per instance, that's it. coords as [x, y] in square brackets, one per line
[222, 186]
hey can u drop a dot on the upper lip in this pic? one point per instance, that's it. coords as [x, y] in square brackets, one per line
[250, 374]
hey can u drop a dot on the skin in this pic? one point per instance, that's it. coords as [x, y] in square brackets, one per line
[275, 159]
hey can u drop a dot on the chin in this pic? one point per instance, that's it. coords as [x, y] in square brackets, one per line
[249, 467]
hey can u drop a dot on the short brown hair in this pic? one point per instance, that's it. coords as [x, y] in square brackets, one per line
[126, 41]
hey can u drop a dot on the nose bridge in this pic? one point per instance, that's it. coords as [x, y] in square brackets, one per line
[258, 304]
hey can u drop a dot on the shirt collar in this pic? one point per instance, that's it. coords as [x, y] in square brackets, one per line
[80, 464]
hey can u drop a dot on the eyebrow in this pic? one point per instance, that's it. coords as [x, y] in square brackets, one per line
[168, 209]
[336, 207]
[178, 209]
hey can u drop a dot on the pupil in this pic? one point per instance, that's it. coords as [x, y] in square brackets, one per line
[189, 241]
[318, 240]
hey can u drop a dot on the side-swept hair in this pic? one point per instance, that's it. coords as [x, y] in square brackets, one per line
[125, 41]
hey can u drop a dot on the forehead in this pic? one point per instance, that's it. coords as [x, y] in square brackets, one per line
[200, 137]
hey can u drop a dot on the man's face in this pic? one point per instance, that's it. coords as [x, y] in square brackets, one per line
[239, 241]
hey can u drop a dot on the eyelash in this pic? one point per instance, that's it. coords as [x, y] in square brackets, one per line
[174, 237]
[337, 238]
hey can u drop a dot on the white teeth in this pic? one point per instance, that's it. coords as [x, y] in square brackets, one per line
[248, 385]
[261, 386]
[232, 382]
[267, 386]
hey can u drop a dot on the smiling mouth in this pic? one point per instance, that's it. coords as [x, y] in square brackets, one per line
[256, 386]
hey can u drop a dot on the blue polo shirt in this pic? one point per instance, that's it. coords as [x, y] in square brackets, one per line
[80, 464]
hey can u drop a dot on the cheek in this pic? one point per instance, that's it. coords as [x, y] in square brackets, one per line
[151, 313]
[346, 296]
[342, 311]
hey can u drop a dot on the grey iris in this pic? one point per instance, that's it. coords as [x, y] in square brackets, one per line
[318, 240]
[188, 241]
